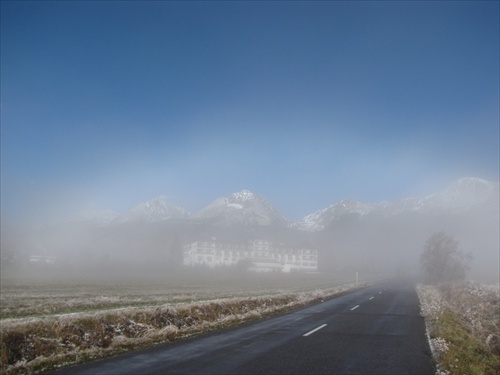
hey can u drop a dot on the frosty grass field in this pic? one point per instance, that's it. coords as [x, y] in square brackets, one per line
[51, 323]
[47, 324]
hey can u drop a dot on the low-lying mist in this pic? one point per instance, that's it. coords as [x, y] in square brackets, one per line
[376, 246]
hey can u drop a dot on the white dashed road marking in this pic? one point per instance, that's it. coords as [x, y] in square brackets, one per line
[314, 330]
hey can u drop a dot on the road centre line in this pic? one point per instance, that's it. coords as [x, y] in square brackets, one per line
[355, 307]
[314, 330]
[372, 297]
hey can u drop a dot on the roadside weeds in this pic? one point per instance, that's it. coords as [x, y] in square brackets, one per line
[463, 324]
[31, 345]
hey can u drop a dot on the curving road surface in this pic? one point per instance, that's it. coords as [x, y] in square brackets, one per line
[375, 330]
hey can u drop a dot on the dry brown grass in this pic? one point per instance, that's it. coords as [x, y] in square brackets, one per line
[35, 343]
[22, 297]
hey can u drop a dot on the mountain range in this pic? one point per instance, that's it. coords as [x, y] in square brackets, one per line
[382, 237]
[462, 195]
[247, 208]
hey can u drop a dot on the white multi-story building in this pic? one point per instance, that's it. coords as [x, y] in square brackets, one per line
[262, 255]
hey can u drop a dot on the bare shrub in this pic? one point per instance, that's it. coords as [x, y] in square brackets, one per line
[442, 261]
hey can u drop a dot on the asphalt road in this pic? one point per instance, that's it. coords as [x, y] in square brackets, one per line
[375, 330]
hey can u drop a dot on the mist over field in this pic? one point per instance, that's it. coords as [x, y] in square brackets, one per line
[150, 241]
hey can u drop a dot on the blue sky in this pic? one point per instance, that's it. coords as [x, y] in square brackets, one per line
[107, 104]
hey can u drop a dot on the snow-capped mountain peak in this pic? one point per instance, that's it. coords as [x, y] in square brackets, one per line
[158, 205]
[322, 218]
[243, 196]
[243, 207]
[462, 195]
[153, 210]
[477, 187]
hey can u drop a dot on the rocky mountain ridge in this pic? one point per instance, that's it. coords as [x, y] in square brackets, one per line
[247, 208]
[462, 195]
[243, 207]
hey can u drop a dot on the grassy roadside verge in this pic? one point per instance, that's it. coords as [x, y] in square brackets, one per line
[463, 325]
[30, 345]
